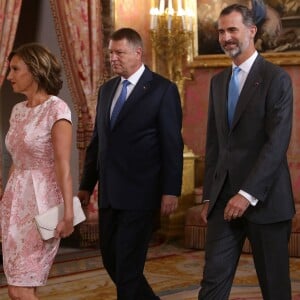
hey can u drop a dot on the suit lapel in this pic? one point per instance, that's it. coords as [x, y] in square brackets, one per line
[250, 89]
[107, 98]
[137, 94]
[222, 90]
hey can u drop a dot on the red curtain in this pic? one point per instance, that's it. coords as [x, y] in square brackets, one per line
[9, 17]
[79, 30]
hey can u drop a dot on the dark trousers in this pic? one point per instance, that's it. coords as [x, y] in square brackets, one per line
[269, 243]
[124, 240]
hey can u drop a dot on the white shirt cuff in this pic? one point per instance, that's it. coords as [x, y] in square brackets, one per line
[253, 201]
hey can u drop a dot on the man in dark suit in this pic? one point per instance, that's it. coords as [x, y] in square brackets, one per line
[136, 154]
[247, 186]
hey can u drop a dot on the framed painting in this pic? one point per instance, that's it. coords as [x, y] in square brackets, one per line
[278, 36]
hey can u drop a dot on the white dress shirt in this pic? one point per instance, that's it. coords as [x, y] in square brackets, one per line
[242, 76]
[133, 79]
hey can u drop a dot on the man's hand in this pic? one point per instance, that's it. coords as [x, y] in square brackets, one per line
[169, 204]
[203, 213]
[84, 197]
[235, 207]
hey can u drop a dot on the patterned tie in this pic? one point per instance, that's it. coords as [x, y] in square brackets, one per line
[119, 104]
[233, 94]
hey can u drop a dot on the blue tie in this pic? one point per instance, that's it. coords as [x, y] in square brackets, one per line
[119, 103]
[233, 94]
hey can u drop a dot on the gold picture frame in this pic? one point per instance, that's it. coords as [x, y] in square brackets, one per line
[285, 50]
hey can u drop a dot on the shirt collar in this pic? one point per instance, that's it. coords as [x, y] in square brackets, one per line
[134, 78]
[247, 64]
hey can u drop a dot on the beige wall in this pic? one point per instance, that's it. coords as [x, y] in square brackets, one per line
[135, 14]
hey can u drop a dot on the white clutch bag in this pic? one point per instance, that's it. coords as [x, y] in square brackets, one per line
[47, 222]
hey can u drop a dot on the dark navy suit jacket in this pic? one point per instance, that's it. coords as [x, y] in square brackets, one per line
[141, 157]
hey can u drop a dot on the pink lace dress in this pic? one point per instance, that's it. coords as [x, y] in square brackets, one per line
[30, 190]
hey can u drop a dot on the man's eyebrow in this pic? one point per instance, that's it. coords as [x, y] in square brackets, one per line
[228, 28]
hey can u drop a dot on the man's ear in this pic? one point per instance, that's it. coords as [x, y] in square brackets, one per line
[139, 51]
[253, 30]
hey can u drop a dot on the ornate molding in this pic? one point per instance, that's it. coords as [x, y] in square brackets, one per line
[221, 60]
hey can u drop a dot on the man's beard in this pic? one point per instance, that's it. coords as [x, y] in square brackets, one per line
[232, 52]
[235, 52]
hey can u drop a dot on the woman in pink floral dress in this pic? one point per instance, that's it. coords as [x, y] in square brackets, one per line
[39, 141]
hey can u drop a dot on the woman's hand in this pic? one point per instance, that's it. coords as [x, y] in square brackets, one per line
[64, 228]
